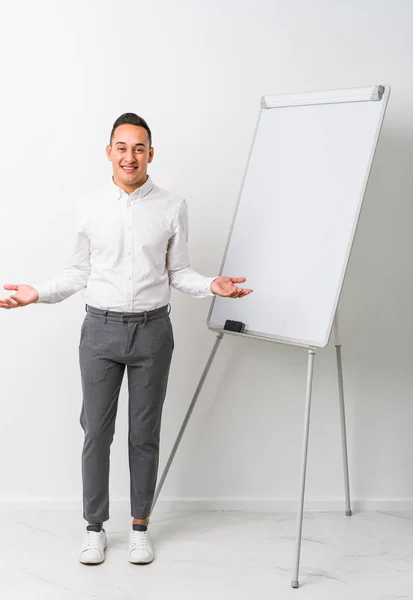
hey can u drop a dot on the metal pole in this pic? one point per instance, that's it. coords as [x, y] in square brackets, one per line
[310, 370]
[185, 423]
[342, 415]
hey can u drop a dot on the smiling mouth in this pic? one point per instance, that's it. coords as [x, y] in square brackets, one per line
[129, 169]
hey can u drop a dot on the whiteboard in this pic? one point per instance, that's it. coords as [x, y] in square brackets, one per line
[297, 212]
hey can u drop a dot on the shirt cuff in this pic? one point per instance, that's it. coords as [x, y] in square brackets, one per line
[43, 289]
[208, 282]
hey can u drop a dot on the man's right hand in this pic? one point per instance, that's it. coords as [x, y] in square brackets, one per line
[25, 294]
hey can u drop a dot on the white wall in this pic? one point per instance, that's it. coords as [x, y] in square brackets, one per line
[195, 70]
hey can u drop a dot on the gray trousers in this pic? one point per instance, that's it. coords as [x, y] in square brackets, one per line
[109, 342]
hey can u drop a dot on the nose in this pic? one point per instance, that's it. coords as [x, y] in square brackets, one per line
[130, 157]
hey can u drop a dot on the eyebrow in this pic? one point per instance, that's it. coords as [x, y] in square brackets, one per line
[138, 144]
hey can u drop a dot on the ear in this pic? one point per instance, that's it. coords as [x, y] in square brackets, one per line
[109, 152]
[151, 154]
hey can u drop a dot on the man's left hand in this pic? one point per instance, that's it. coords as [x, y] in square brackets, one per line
[224, 286]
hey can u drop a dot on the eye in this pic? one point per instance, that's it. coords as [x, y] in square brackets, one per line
[121, 148]
[140, 150]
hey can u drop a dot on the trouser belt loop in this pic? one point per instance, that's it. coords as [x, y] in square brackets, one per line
[169, 309]
[145, 318]
[106, 316]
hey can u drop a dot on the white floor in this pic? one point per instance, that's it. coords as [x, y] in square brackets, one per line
[211, 555]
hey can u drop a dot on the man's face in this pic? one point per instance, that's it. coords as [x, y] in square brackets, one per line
[130, 155]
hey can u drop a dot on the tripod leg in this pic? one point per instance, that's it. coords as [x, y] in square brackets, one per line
[310, 370]
[187, 417]
[342, 417]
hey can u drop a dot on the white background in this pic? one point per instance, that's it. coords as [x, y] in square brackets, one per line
[196, 70]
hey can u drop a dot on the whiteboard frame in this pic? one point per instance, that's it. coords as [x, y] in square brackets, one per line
[377, 93]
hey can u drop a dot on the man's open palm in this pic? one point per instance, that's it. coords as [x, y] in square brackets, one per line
[25, 294]
[224, 286]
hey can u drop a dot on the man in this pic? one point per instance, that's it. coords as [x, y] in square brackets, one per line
[130, 247]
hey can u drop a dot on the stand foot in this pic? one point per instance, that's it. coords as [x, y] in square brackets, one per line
[294, 584]
[348, 513]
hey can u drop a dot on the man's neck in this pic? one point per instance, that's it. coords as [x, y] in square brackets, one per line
[129, 189]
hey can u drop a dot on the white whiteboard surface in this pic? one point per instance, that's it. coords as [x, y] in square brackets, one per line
[296, 217]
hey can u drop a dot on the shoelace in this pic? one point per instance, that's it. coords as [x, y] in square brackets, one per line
[140, 540]
[92, 540]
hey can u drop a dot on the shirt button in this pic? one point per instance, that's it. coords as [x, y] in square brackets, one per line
[129, 277]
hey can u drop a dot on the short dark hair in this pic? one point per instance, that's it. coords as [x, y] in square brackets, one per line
[131, 119]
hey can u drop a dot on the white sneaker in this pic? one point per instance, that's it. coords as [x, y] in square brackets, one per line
[140, 548]
[93, 549]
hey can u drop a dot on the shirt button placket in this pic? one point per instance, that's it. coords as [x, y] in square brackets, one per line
[129, 261]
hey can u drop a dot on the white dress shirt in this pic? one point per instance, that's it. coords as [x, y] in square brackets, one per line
[129, 249]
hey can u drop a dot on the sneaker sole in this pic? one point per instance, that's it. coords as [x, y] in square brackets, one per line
[141, 562]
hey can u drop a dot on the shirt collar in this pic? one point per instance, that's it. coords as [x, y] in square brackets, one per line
[140, 192]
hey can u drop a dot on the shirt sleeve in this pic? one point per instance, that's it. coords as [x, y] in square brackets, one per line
[181, 276]
[75, 275]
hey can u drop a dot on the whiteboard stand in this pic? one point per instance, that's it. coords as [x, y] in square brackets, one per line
[308, 395]
[304, 227]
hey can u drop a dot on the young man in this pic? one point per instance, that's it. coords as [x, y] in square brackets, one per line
[130, 247]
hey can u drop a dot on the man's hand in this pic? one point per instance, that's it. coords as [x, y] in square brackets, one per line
[224, 286]
[25, 294]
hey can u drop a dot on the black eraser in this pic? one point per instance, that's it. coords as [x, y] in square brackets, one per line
[234, 326]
